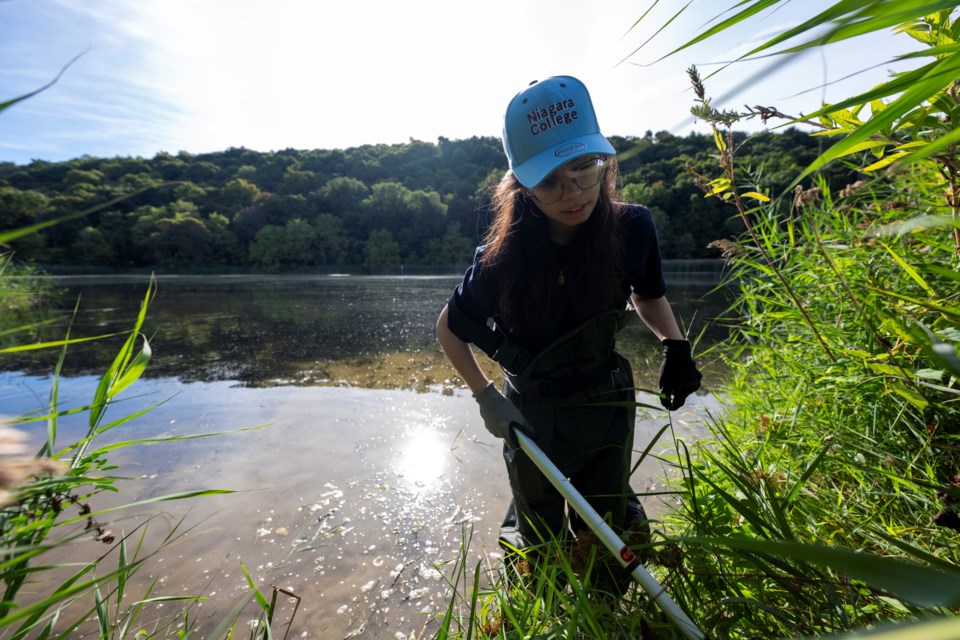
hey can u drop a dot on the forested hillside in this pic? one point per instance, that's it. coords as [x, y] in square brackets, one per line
[370, 207]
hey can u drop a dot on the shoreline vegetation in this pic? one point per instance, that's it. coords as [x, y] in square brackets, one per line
[825, 501]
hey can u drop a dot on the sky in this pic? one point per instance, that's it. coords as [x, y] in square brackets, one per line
[206, 75]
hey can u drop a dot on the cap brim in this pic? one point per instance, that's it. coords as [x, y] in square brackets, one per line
[534, 170]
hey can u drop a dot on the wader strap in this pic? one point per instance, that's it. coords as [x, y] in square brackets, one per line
[583, 382]
[576, 362]
[494, 343]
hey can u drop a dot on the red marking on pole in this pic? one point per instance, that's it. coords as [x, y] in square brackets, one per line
[627, 555]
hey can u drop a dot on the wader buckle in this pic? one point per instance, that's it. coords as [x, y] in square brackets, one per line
[512, 358]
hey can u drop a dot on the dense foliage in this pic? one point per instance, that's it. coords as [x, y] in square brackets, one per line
[827, 499]
[370, 207]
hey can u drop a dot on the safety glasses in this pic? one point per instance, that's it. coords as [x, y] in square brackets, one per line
[583, 175]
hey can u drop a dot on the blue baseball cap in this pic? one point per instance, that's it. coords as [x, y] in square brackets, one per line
[548, 124]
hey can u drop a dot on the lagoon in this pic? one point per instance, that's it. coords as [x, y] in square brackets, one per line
[371, 471]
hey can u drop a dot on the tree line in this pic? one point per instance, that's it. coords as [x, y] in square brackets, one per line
[369, 207]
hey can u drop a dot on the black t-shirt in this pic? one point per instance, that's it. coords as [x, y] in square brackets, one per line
[477, 295]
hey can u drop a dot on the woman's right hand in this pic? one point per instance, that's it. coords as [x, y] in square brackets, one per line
[498, 412]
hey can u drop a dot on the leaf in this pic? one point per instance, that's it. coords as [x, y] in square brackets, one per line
[662, 27]
[26, 96]
[908, 581]
[48, 447]
[807, 473]
[758, 6]
[916, 277]
[849, 19]
[893, 87]
[135, 369]
[869, 145]
[885, 162]
[261, 599]
[930, 148]
[848, 116]
[945, 354]
[935, 78]
[945, 272]
[925, 629]
[52, 344]
[122, 373]
[183, 495]
[912, 396]
[755, 196]
[886, 369]
[8, 236]
[719, 141]
[719, 185]
[951, 312]
[910, 145]
[103, 617]
[919, 223]
[129, 443]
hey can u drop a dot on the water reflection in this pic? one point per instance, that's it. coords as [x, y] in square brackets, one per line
[371, 332]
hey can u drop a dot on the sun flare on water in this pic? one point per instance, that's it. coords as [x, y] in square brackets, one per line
[422, 459]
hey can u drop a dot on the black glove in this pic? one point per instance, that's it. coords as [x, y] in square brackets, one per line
[678, 374]
[498, 413]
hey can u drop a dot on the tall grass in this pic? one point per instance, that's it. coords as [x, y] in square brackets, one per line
[50, 501]
[841, 434]
[551, 590]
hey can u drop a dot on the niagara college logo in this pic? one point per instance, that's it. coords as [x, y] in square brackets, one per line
[554, 115]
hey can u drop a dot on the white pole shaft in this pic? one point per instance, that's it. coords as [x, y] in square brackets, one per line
[610, 539]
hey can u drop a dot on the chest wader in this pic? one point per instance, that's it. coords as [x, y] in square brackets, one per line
[562, 393]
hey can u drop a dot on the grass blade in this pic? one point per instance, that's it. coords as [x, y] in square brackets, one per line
[908, 581]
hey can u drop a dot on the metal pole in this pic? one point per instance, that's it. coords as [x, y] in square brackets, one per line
[610, 539]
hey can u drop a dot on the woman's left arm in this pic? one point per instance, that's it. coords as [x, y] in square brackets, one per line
[658, 315]
[679, 376]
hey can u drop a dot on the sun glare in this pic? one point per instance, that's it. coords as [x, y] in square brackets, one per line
[423, 459]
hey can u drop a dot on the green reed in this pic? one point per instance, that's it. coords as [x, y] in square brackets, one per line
[554, 589]
[814, 508]
[50, 505]
[48, 500]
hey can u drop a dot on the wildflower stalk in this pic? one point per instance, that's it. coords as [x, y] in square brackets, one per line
[727, 188]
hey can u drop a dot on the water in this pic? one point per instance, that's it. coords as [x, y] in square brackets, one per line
[371, 467]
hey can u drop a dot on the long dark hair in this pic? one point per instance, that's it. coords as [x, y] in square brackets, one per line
[526, 264]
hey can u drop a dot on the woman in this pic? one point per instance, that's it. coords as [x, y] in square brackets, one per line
[560, 261]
